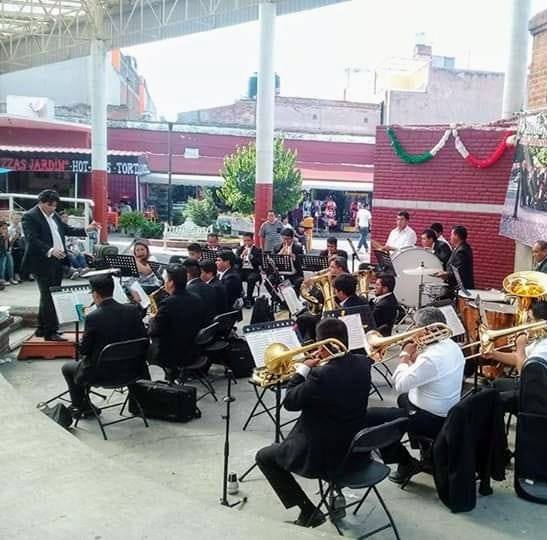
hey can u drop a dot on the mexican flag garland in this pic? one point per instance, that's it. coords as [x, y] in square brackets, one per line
[414, 159]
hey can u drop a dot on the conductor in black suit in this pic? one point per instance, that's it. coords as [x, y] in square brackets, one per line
[179, 318]
[198, 287]
[461, 259]
[229, 277]
[109, 323]
[333, 400]
[384, 305]
[45, 255]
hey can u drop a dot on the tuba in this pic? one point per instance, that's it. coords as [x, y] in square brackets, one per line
[323, 281]
[279, 360]
[377, 346]
[363, 279]
[154, 301]
[525, 286]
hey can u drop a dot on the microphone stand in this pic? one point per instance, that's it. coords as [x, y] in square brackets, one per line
[228, 400]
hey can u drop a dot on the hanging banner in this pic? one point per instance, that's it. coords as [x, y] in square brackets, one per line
[524, 216]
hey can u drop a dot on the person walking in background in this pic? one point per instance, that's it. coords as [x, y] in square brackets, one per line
[363, 219]
[270, 232]
[7, 276]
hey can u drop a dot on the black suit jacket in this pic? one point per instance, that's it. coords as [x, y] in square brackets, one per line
[542, 267]
[232, 284]
[178, 320]
[38, 239]
[255, 257]
[339, 253]
[109, 323]
[442, 251]
[333, 400]
[353, 301]
[297, 251]
[208, 297]
[220, 292]
[462, 259]
[384, 312]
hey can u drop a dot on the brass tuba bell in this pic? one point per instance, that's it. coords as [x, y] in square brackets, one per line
[525, 286]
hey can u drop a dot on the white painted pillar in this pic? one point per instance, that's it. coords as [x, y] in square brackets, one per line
[514, 89]
[265, 109]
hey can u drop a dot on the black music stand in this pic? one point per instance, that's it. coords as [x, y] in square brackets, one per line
[209, 254]
[354, 254]
[157, 268]
[282, 263]
[126, 263]
[384, 261]
[314, 263]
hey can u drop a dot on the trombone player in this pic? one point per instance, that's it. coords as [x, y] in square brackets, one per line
[333, 402]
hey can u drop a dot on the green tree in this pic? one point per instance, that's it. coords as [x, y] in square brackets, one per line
[202, 212]
[239, 175]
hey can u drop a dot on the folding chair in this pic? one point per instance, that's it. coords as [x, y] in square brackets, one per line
[216, 350]
[359, 470]
[119, 366]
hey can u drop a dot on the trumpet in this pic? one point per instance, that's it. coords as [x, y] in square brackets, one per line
[279, 360]
[377, 346]
[488, 338]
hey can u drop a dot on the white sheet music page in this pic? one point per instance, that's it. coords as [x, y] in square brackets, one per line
[356, 334]
[137, 288]
[65, 306]
[292, 301]
[258, 341]
[119, 293]
[83, 297]
[453, 321]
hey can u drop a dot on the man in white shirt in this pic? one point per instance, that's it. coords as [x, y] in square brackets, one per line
[402, 236]
[429, 383]
[362, 220]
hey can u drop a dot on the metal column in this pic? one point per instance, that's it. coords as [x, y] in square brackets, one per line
[265, 108]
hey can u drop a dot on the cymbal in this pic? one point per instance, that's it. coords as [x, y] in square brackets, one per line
[421, 271]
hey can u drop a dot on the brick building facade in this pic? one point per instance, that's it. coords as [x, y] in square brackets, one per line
[537, 79]
[448, 190]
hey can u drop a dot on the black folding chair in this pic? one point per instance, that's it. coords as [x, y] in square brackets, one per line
[359, 470]
[119, 366]
[217, 349]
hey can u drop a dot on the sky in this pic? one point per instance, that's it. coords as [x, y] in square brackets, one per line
[314, 48]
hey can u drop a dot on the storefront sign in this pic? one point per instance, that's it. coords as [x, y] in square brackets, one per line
[524, 215]
[128, 165]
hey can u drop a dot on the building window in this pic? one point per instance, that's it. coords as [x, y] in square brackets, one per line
[365, 120]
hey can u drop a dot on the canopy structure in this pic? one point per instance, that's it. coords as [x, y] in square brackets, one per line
[35, 32]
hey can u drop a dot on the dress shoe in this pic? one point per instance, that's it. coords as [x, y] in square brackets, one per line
[310, 519]
[55, 337]
[39, 333]
[405, 472]
[84, 411]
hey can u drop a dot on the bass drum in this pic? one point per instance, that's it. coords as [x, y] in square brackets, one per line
[406, 286]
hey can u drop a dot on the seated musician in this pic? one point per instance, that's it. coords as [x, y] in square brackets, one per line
[202, 290]
[402, 236]
[332, 249]
[337, 266]
[294, 250]
[429, 384]
[438, 229]
[249, 260]
[212, 242]
[194, 251]
[440, 249]
[333, 403]
[209, 276]
[179, 318]
[384, 305]
[229, 277]
[147, 277]
[109, 323]
[345, 286]
[539, 251]
[524, 348]
[461, 258]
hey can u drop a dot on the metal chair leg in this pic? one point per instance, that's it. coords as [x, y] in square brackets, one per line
[141, 410]
[394, 527]
[358, 507]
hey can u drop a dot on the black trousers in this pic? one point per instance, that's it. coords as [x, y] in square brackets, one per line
[282, 481]
[76, 391]
[251, 277]
[420, 422]
[50, 275]
[509, 388]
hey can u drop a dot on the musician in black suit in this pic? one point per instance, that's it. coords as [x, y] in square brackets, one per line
[345, 286]
[45, 255]
[333, 400]
[332, 249]
[439, 248]
[229, 277]
[249, 258]
[539, 251]
[109, 323]
[202, 290]
[384, 305]
[209, 275]
[179, 318]
[295, 251]
[461, 259]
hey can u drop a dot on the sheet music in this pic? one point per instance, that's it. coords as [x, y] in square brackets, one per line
[137, 288]
[119, 294]
[356, 334]
[453, 321]
[293, 303]
[258, 341]
[65, 307]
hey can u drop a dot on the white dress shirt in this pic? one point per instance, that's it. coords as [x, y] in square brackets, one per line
[363, 217]
[57, 241]
[434, 380]
[537, 348]
[398, 239]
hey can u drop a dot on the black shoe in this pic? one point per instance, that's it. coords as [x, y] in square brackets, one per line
[55, 337]
[84, 411]
[310, 519]
[39, 333]
[405, 472]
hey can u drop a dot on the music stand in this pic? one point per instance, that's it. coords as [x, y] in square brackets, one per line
[126, 263]
[314, 263]
[365, 311]
[208, 254]
[384, 261]
[354, 254]
[157, 268]
[282, 263]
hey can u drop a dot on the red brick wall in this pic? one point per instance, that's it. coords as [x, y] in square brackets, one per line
[537, 80]
[447, 178]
